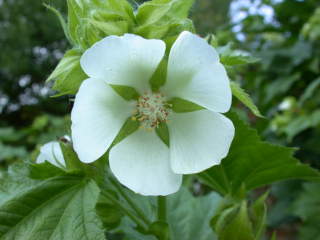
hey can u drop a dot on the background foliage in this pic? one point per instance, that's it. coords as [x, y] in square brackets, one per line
[284, 83]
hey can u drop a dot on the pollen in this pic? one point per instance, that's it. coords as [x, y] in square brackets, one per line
[151, 110]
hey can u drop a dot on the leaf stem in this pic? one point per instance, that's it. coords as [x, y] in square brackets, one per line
[162, 209]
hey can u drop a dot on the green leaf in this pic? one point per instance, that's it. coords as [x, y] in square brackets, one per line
[254, 163]
[68, 75]
[306, 206]
[243, 97]
[45, 170]
[109, 213]
[189, 216]
[232, 60]
[57, 208]
[301, 123]
[310, 90]
[231, 57]
[160, 11]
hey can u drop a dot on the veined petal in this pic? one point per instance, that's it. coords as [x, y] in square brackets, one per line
[141, 163]
[198, 140]
[97, 116]
[195, 74]
[129, 60]
[52, 153]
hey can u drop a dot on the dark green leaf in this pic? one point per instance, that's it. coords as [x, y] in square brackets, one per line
[254, 163]
[57, 208]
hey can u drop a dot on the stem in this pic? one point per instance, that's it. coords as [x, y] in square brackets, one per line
[162, 209]
[125, 210]
[138, 211]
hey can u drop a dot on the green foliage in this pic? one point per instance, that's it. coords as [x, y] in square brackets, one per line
[163, 19]
[187, 224]
[306, 206]
[253, 163]
[242, 96]
[231, 57]
[56, 208]
[68, 75]
[89, 22]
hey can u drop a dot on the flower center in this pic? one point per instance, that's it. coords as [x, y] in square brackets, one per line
[151, 110]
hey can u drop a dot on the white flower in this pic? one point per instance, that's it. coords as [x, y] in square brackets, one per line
[52, 153]
[142, 162]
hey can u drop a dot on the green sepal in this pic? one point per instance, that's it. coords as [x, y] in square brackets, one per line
[239, 226]
[90, 21]
[129, 127]
[165, 31]
[158, 79]
[180, 105]
[71, 158]
[128, 93]
[163, 133]
[68, 75]
[160, 11]
[244, 98]
[259, 215]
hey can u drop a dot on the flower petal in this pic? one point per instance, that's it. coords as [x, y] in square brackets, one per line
[129, 60]
[198, 140]
[195, 74]
[141, 162]
[52, 153]
[97, 116]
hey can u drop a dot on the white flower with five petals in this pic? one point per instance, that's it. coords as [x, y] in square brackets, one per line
[142, 162]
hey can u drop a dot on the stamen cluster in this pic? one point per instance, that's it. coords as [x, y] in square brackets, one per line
[151, 110]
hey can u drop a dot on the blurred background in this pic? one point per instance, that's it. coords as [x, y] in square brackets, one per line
[285, 85]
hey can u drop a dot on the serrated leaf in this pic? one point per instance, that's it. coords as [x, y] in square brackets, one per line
[57, 208]
[243, 97]
[68, 75]
[253, 163]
